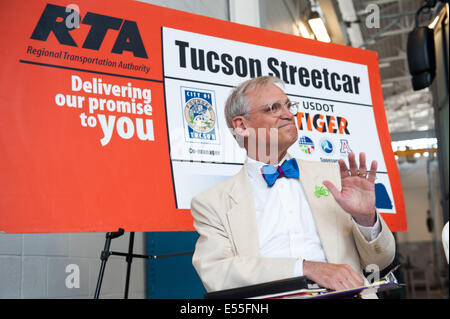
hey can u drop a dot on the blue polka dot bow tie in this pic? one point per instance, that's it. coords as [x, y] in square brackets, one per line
[288, 169]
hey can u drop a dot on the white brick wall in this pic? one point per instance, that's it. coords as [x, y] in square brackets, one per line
[34, 265]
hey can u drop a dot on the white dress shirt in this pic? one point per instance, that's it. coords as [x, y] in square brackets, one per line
[286, 227]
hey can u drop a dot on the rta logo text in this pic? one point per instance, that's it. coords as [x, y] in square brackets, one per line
[373, 16]
[73, 279]
[63, 20]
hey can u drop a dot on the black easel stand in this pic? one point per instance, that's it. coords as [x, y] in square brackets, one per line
[129, 259]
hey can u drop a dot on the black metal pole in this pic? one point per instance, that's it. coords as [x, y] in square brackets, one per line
[129, 260]
[104, 258]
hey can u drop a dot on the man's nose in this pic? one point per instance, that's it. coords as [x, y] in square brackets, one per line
[286, 113]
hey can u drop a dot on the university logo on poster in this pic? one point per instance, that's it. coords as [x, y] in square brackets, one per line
[345, 147]
[200, 116]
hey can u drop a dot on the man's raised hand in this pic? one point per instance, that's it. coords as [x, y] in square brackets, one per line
[357, 196]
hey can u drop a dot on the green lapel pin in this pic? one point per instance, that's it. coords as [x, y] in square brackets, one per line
[321, 191]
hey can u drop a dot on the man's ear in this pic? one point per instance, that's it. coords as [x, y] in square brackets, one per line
[240, 126]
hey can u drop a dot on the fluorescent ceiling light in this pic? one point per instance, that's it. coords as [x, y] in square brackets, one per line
[318, 27]
[433, 23]
[304, 31]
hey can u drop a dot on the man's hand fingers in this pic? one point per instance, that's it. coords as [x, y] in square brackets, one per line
[373, 172]
[362, 164]
[338, 285]
[348, 277]
[333, 190]
[343, 169]
[352, 163]
[333, 276]
[354, 278]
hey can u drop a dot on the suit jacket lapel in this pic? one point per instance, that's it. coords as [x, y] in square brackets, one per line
[323, 208]
[242, 216]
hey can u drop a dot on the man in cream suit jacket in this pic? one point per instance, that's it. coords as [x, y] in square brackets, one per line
[230, 253]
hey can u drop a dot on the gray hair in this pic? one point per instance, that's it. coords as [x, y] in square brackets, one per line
[237, 103]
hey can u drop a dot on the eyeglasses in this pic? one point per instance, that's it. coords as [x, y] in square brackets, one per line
[275, 108]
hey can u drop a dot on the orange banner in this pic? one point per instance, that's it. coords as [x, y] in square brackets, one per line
[85, 117]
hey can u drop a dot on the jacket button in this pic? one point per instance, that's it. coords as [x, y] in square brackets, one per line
[377, 249]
